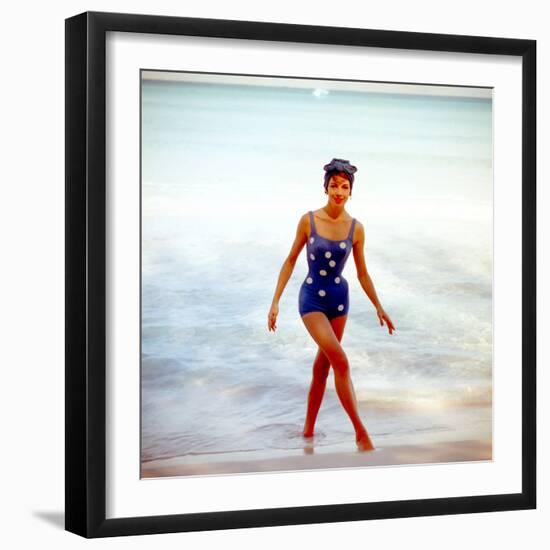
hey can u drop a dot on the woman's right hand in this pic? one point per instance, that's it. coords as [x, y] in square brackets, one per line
[272, 317]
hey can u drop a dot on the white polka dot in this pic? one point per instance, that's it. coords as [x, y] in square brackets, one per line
[342, 245]
[322, 272]
[322, 293]
[328, 254]
[311, 240]
[337, 280]
[332, 263]
[312, 256]
[309, 280]
[340, 307]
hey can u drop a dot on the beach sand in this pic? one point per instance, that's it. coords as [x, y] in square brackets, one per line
[312, 458]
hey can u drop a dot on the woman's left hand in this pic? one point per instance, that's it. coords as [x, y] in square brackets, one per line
[384, 318]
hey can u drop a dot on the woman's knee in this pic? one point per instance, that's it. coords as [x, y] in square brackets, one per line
[321, 366]
[339, 361]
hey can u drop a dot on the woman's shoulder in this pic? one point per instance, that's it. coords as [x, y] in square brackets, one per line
[303, 222]
[304, 218]
[358, 231]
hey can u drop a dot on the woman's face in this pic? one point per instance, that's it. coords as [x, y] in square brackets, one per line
[338, 189]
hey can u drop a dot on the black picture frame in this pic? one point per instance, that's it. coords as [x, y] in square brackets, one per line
[85, 368]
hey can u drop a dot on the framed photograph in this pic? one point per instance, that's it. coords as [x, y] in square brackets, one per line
[300, 274]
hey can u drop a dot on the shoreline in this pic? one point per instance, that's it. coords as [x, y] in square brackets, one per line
[312, 458]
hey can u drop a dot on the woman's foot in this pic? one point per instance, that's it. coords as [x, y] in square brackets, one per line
[363, 442]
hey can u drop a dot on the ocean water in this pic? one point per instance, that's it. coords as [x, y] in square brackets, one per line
[227, 171]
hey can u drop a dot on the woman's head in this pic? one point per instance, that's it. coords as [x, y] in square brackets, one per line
[340, 168]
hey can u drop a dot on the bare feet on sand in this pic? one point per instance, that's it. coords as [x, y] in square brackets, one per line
[362, 439]
[364, 443]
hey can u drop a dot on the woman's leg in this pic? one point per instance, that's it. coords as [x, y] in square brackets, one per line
[321, 367]
[323, 333]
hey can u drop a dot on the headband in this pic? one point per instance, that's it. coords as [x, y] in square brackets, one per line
[339, 165]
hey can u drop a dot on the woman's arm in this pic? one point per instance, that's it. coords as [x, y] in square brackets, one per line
[364, 277]
[287, 269]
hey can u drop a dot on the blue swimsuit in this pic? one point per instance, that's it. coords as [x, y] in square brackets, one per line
[325, 289]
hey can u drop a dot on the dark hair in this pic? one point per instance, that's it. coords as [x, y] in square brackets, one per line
[339, 166]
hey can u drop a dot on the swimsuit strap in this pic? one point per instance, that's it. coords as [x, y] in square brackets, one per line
[350, 236]
[312, 223]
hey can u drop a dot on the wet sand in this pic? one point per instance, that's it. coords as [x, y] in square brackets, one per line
[312, 458]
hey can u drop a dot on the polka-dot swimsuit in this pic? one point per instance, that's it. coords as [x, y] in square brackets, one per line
[325, 289]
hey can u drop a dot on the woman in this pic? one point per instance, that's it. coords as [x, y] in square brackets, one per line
[330, 234]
